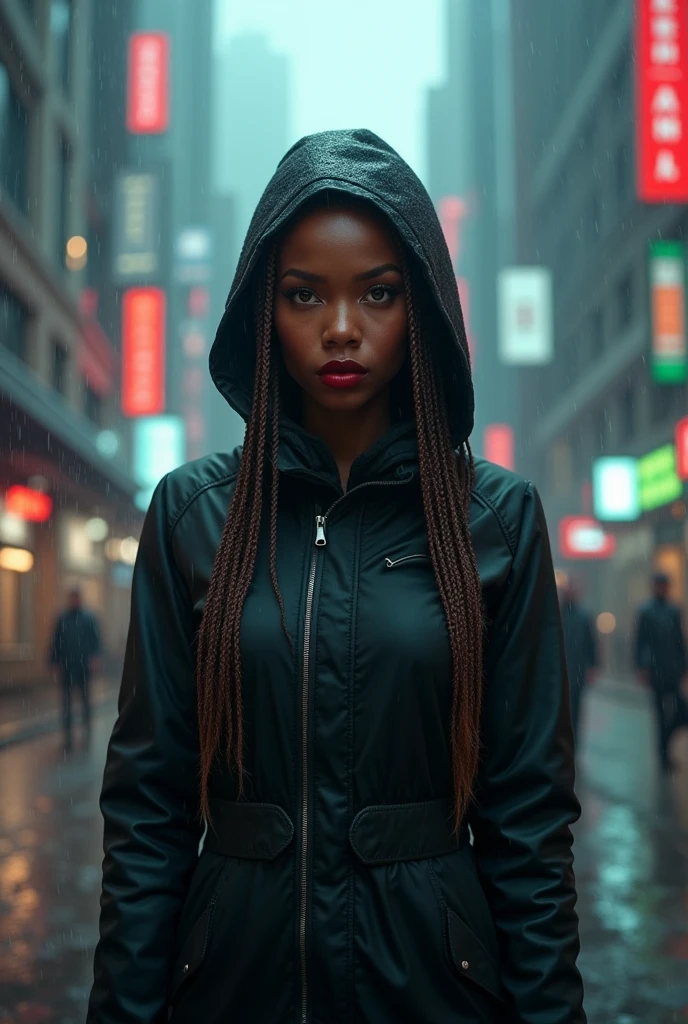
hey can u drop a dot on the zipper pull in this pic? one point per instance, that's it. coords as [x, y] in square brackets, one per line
[320, 538]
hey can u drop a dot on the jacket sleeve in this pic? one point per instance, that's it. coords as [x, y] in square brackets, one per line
[525, 801]
[149, 798]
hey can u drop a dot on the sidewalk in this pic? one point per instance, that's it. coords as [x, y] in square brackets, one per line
[32, 711]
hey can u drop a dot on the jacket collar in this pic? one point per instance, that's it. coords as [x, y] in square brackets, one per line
[394, 456]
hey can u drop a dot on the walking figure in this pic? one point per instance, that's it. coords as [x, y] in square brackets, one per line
[580, 645]
[660, 657]
[75, 644]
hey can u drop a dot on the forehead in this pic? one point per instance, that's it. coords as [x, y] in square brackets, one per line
[338, 233]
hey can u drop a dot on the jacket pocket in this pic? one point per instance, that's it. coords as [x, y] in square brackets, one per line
[396, 563]
[471, 959]
[193, 951]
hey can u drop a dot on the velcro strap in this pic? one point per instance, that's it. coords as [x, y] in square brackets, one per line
[248, 831]
[398, 832]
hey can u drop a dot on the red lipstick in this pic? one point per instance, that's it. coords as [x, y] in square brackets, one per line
[342, 373]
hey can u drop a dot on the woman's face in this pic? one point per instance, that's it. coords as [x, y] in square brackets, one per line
[340, 309]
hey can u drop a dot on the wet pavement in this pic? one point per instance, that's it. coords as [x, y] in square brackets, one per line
[631, 863]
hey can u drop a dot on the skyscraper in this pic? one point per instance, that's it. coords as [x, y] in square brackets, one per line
[251, 127]
[469, 167]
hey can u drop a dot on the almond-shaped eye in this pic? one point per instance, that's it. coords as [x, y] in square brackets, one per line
[380, 293]
[302, 296]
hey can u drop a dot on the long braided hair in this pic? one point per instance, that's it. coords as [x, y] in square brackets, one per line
[446, 483]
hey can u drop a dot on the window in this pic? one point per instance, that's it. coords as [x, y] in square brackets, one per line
[622, 173]
[666, 402]
[596, 334]
[14, 143]
[601, 432]
[621, 82]
[595, 217]
[14, 318]
[61, 37]
[62, 196]
[30, 8]
[627, 414]
[624, 298]
[569, 361]
[15, 604]
[93, 405]
[60, 368]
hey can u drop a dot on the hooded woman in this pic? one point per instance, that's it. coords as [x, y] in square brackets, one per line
[344, 678]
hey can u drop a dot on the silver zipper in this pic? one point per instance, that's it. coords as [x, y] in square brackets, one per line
[393, 563]
[304, 767]
[321, 521]
[320, 542]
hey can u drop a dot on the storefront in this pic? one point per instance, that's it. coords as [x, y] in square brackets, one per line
[17, 560]
[60, 505]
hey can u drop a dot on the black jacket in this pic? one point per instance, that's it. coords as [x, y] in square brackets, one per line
[579, 642]
[335, 892]
[659, 643]
[76, 639]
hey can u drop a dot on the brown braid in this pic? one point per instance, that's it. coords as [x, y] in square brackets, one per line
[218, 661]
[446, 484]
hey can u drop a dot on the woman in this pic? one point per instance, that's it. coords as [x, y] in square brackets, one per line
[373, 628]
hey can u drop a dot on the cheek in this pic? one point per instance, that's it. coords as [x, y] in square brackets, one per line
[394, 343]
[292, 339]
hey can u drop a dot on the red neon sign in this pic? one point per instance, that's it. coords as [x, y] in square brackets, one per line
[682, 448]
[498, 445]
[662, 100]
[143, 352]
[583, 537]
[148, 87]
[29, 505]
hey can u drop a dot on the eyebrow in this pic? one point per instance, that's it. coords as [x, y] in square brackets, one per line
[367, 275]
[377, 271]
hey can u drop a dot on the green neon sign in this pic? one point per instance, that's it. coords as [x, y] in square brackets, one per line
[667, 278]
[658, 482]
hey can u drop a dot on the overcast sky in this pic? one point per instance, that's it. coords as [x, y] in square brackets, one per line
[355, 63]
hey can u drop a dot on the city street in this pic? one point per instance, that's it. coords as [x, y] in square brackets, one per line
[631, 859]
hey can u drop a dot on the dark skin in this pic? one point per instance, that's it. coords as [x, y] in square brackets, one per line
[340, 295]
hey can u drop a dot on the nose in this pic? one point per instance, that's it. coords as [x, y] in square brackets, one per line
[342, 329]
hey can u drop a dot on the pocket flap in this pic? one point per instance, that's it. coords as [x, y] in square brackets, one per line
[193, 952]
[471, 959]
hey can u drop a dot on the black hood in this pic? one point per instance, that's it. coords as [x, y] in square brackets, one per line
[359, 163]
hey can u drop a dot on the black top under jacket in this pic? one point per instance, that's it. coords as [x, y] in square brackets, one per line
[334, 891]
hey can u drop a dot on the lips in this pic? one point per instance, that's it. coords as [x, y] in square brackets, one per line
[342, 373]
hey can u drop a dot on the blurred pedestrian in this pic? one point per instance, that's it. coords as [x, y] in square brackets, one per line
[74, 648]
[304, 671]
[660, 658]
[580, 644]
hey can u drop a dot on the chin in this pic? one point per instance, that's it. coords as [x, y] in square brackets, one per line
[342, 401]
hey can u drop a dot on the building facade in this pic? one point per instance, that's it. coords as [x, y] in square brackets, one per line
[471, 181]
[65, 491]
[578, 214]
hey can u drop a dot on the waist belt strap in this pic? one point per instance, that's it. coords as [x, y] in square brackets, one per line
[397, 832]
[248, 831]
